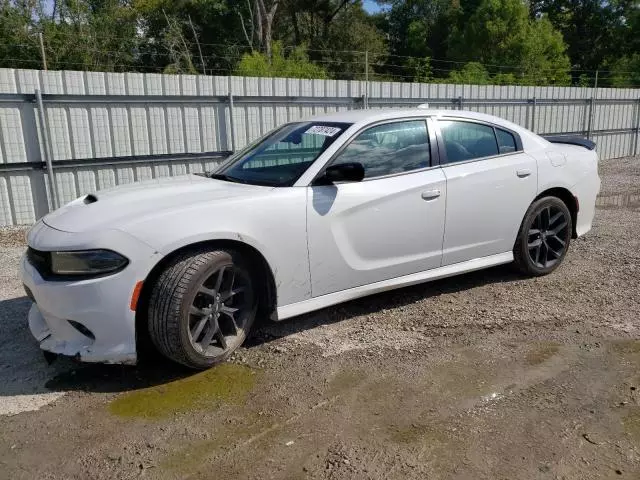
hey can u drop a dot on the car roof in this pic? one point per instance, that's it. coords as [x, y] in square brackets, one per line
[360, 118]
[374, 115]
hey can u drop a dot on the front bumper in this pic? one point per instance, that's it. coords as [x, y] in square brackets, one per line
[88, 319]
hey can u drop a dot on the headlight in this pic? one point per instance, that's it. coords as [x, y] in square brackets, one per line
[87, 262]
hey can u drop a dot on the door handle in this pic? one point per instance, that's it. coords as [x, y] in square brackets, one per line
[430, 194]
[523, 173]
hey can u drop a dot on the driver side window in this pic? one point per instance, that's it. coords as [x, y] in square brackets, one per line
[389, 148]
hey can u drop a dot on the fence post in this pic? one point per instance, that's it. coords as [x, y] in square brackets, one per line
[231, 120]
[590, 117]
[46, 153]
[637, 130]
[532, 122]
[366, 79]
[460, 102]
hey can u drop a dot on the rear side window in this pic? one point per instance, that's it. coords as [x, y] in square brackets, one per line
[467, 140]
[389, 148]
[506, 142]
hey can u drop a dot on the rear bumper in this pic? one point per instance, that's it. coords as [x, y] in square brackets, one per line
[586, 191]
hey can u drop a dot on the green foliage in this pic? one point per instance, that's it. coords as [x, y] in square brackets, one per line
[596, 32]
[544, 59]
[18, 45]
[295, 65]
[325, 26]
[418, 28]
[583, 81]
[500, 34]
[471, 73]
[422, 71]
[625, 72]
[532, 42]
[504, 79]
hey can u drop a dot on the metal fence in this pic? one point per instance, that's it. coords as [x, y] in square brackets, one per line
[83, 131]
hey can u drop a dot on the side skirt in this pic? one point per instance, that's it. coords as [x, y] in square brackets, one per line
[294, 309]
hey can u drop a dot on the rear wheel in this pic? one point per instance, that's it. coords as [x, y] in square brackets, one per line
[202, 307]
[544, 237]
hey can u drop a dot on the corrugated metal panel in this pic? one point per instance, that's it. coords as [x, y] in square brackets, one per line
[80, 130]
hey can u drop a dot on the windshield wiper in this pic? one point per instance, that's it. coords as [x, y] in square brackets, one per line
[226, 178]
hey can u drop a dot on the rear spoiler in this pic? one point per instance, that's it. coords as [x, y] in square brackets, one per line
[571, 140]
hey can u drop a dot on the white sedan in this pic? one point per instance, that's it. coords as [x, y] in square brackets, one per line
[315, 213]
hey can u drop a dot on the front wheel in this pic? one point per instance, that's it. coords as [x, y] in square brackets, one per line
[202, 307]
[544, 236]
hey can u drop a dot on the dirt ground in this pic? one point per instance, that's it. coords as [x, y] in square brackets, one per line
[485, 376]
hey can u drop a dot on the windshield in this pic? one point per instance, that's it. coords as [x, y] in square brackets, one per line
[282, 156]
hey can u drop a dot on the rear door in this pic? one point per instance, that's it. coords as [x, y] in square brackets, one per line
[388, 225]
[490, 184]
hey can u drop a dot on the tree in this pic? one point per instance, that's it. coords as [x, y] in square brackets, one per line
[19, 47]
[625, 72]
[478, 41]
[337, 33]
[309, 21]
[501, 36]
[352, 33]
[179, 52]
[472, 73]
[421, 69]
[259, 23]
[594, 30]
[106, 29]
[418, 28]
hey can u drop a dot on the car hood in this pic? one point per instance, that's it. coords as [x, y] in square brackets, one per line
[127, 204]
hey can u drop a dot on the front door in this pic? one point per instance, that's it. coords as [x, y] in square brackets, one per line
[389, 225]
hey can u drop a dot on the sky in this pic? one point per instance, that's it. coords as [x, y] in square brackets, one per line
[371, 6]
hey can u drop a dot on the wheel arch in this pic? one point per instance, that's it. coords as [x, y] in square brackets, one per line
[258, 263]
[569, 200]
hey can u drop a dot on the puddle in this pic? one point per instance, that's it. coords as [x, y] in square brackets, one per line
[617, 201]
[541, 353]
[226, 383]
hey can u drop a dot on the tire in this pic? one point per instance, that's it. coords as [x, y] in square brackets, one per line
[544, 237]
[193, 304]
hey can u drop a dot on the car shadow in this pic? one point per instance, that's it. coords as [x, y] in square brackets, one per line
[24, 371]
[268, 331]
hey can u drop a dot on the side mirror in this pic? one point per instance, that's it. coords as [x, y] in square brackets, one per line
[343, 172]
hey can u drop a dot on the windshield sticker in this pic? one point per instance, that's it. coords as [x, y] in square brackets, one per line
[322, 130]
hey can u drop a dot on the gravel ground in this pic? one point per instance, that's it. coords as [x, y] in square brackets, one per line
[486, 375]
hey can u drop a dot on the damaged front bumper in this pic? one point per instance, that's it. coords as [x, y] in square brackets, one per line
[89, 319]
[58, 336]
